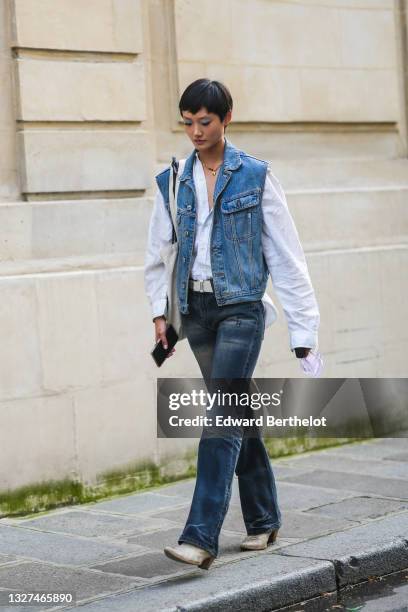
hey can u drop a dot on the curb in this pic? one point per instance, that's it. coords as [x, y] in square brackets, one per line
[251, 591]
[386, 559]
[329, 577]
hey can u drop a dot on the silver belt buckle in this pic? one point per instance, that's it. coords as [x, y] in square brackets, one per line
[201, 286]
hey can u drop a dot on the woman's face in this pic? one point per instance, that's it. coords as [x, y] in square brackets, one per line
[204, 129]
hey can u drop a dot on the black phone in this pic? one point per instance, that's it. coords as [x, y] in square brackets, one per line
[159, 353]
[301, 352]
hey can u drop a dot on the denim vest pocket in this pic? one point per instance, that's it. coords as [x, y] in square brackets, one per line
[240, 216]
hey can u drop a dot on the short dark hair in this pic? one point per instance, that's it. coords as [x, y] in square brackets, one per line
[212, 95]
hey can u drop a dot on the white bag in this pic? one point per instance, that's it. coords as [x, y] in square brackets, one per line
[169, 257]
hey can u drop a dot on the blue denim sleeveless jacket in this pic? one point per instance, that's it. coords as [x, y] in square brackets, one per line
[239, 269]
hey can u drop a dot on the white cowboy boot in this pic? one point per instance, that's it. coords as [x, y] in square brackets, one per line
[259, 541]
[188, 553]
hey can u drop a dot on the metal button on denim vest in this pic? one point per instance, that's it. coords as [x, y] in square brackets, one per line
[239, 269]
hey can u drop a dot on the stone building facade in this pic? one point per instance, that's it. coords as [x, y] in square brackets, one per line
[88, 115]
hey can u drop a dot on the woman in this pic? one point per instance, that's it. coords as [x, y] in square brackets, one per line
[234, 229]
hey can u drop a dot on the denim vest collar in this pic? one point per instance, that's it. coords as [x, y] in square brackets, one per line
[232, 161]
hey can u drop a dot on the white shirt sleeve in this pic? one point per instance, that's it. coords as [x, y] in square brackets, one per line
[287, 266]
[155, 276]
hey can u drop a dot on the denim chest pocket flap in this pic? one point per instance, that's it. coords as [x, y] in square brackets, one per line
[241, 202]
[241, 219]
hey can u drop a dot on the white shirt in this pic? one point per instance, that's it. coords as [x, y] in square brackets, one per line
[281, 247]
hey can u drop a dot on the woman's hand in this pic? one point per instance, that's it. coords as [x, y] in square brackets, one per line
[160, 333]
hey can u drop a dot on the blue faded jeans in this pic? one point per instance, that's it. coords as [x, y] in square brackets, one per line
[226, 341]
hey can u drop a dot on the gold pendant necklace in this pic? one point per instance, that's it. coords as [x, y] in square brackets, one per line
[212, 170]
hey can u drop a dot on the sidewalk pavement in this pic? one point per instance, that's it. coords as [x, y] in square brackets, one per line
[345, 519]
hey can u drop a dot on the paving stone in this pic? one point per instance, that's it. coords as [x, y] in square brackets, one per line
[299, 525]
[259, 582]
[302, 497]
[354, 465]
[141, 502]
[177, 516]
[92, 524]
[58, 548]
[148, 565]
[388, 487]
[235, 499]
[158, 539]
[400, 440]
[83, 583]
[282, 470]
[7, 559]
[359, 508]
[232, 522]
[184, 488]
[362, 450]
[397, 457]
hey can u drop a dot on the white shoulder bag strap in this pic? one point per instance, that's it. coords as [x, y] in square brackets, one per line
[169, 255]
[173, 197]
